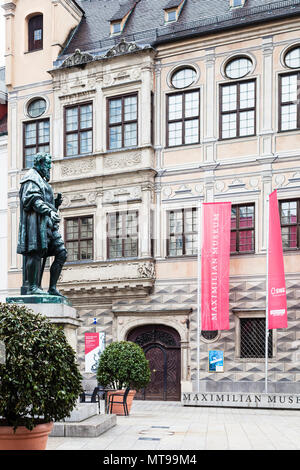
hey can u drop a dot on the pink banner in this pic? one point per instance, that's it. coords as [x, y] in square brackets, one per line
[276, 279]
[215, 258]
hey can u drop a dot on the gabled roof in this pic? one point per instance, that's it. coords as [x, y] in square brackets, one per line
[146, 23]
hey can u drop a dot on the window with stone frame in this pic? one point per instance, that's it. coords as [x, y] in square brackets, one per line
[122, 234]
[238, 109]
[36, 138]
[78, 129]
[122, 121]
[289, 103]
[242, 237]
[182, 232]
[35, 33]
[79, 238]
[290, 223]
[183, 118]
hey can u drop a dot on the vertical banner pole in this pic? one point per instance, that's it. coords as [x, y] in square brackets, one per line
[199, 294]
[267, 299]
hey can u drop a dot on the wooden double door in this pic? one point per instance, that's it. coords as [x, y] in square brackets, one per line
[161, 345]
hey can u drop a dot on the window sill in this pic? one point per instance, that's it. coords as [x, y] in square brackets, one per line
[34, 50]
[197, 144]
[227, 139]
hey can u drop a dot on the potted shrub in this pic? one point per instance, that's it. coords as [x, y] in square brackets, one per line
[123, 364]
[39, 382]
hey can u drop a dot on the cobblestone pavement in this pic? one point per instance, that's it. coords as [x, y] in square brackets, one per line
[170, 426]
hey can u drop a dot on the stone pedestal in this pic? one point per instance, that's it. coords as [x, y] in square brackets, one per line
[57, 309]
[84, 420]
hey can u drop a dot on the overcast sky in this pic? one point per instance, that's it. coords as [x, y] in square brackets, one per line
[1, 37]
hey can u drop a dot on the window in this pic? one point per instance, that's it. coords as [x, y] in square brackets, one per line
[290, 223]
[182, 232]
[171, 16]
[35, 33]
[237, 102]
[79, 238]
[122, 230]
[184, 77]
[36, 138]
[292, 58]
[122, 122]
[116, 27]
[36, 108]
[78, 129]
[183, 114]
[289, 112]
[238, 67]
[242, 229]
[252, 342]
[237, 3]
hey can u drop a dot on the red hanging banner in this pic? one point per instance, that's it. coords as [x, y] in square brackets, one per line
[215, 259]
[277, 305]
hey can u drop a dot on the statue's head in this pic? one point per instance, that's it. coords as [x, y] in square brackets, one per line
[42, 164]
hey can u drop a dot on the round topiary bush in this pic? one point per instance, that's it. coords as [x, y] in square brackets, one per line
[40, 380]
[123, 364]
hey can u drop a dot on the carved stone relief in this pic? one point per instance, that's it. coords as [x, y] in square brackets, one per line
[76, 168]
[116, 162]
[123, 48]
[77, 59]
[113, 196]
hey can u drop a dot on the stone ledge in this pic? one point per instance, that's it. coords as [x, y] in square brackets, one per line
[242, 400]
[91, 427]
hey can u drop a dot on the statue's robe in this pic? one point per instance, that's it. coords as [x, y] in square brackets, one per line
[36, 229]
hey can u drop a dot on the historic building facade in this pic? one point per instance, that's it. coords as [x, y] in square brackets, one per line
[148, 110]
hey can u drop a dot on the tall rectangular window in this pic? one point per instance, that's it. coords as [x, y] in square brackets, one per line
[290, 224]
[78, 129]
[289, 104]
[35, 33]
[122, 118]
[79, 238]
[242, 229]
[183, 118]
[36, 138]
[182, 232]
[238, 109]
[122, 235]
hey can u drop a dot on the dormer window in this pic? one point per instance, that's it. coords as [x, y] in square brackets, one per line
[237, 3]
[116, 27]
[171, 16]
[119, 19]
[173, 10]
[35, 33]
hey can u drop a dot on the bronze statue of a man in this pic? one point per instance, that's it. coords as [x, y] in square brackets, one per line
[39, 235]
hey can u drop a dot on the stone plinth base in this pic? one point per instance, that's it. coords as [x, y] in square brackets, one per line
[242, 400]
[91, 427]
[57, 309]
[82, 412]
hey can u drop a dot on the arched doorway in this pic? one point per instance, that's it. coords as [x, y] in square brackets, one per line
[161, 345]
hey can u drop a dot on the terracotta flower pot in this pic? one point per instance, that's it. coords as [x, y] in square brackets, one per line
[23, 439]
[117, 408]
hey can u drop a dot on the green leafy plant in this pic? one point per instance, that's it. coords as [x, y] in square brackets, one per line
[40, 380]
[123, 364]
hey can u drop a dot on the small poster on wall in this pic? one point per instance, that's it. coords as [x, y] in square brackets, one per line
[94, 346]
[216, 361]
